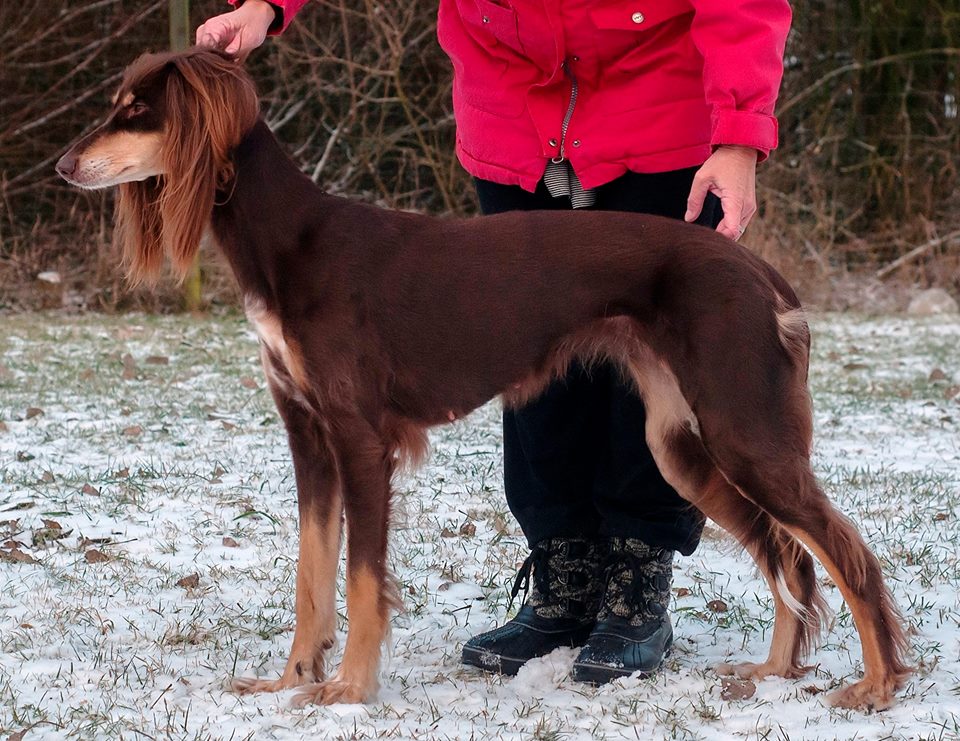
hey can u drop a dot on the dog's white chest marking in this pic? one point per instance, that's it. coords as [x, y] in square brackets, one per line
[282, 363]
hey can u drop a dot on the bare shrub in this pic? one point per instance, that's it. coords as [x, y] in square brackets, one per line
[360, 92]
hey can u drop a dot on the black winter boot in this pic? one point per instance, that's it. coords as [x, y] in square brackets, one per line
[563, 596]
[633, 631]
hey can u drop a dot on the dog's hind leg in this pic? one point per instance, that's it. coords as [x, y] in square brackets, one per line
[799, 607]
[778, 479]
[786, 566]
[798, 503]
[321, 519]
[365, 465]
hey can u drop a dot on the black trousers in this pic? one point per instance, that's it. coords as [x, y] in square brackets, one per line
[576, 461]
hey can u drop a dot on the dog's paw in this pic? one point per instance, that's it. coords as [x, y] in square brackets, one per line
[336, 690]
[252, 685]
[296, 674]
[749, 670]
[864, 695]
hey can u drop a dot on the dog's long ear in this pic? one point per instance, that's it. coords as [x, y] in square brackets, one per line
[139, 230]
[209, 105]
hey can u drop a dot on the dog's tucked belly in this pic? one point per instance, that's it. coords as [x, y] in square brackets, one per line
[436, 396]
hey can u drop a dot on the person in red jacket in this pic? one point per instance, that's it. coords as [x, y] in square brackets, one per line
[654, 106]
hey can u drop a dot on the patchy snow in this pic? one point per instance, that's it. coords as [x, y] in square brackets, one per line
[152, 442]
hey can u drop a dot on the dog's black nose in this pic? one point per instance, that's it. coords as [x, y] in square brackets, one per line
[67, 165]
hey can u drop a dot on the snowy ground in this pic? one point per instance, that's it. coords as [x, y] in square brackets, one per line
[148, 536]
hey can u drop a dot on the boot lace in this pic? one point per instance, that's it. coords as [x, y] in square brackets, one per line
[537, 562]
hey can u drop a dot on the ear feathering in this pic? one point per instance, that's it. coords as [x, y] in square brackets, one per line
[210, 104]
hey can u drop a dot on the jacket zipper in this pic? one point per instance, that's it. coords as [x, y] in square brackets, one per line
[568, 115]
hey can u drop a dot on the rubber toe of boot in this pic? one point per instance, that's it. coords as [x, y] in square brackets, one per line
[505, 649]
[615, 648]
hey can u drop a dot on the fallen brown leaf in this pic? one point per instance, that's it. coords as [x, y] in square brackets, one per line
[447, 533]
[3, 427]
[717, 605]
[737, 689]
[34, 412]
[129, 367]
[682, 592]
[95, 556]
[468, 529]
[937, 374]
[47, 477]
[248, 383]
[133, 431]
[189, 582]
[15, 555]
[157, 360]
[90, 491]
[230, 542]
[43, 535]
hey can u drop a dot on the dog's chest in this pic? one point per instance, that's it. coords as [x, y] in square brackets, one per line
[282, 360]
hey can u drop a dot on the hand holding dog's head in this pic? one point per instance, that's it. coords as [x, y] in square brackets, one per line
[166, 143]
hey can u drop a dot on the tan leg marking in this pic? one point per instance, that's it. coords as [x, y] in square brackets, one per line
[356, 680]
[316, 613]
[876, 690]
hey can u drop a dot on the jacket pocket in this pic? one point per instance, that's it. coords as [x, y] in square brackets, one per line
[638, 15]
[492, 23]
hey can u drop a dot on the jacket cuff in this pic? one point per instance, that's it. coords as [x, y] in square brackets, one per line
[746, 129]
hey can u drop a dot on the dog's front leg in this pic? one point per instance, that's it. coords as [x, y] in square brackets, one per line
[365, 466]
[321, 516]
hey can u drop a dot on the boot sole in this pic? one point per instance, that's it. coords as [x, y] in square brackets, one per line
[491, 662]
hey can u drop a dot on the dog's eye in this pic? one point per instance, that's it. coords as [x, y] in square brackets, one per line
[136, 108]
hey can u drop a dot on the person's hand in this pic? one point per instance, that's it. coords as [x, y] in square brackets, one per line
[731, 174]
[240, 31]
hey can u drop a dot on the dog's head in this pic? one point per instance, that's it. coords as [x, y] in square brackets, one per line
[166, 143]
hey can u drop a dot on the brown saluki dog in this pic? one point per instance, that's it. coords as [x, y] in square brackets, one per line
[376, 325]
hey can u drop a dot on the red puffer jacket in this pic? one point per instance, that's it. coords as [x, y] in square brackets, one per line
[612, 85]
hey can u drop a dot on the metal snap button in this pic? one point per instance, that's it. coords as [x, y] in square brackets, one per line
[552, 142]
[487, 19]
[637, 18]
[576, 142]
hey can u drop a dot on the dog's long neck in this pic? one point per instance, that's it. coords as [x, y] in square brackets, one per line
[259, 219]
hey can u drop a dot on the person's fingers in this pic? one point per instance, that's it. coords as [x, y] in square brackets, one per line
[215, 33]
[236, 44]
[698, 192]
[731, 224]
